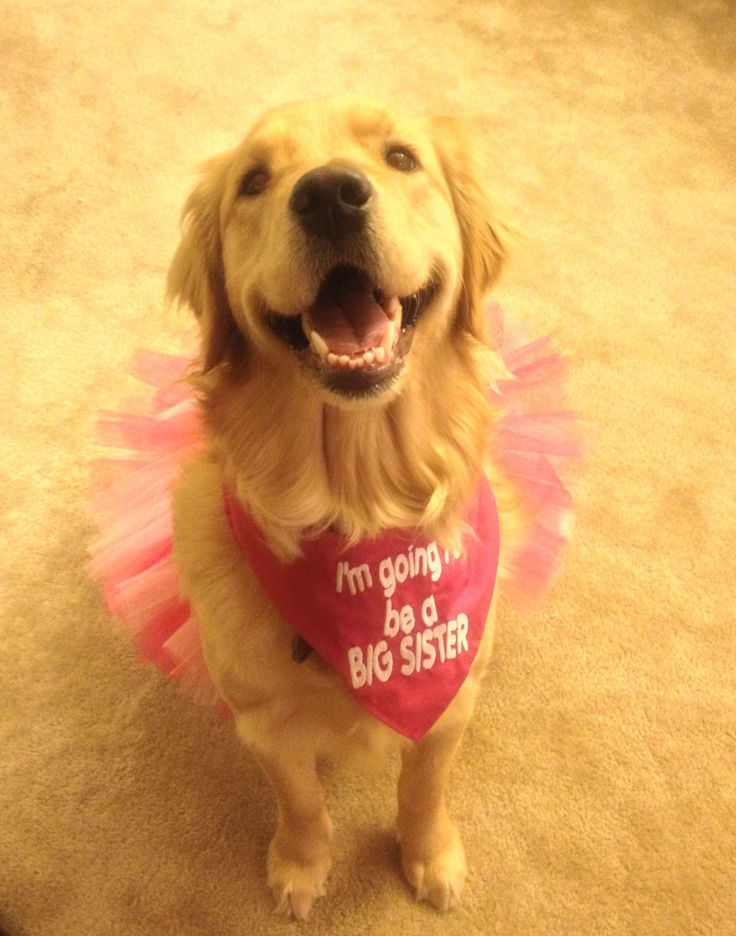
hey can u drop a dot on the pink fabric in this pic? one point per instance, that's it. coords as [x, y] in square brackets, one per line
[399, 619]
[131, 502]
[153, 436]
[537, 437]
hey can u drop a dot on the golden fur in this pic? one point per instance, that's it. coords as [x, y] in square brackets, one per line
[300, 455]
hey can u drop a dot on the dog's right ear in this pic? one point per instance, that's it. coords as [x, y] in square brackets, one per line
[196, 275]
[482, 233]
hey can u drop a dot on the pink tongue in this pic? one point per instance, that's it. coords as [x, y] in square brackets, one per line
[347, 316]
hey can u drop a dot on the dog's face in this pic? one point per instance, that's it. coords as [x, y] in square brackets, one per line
[334, 236]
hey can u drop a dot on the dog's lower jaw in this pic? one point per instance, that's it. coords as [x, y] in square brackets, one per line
[355, 338]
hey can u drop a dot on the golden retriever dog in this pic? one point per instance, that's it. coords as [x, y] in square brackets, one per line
[337, 261]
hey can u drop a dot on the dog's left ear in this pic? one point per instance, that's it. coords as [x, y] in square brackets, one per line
[484, 252]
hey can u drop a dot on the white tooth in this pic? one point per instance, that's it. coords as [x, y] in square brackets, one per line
[319, 344]
[343, 360]
[388, 339]
[353, 363]
[357, 362]
[394, 309]
[332, 359]
[379, 354]
[369, 357]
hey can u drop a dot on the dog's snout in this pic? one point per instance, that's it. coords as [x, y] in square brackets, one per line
[331, 201]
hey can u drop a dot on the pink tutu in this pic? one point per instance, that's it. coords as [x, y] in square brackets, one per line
[154, 437]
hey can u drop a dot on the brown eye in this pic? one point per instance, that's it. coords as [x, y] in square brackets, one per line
[401, 158]
[255, 182]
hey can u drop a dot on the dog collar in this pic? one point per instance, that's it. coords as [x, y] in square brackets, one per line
[398, 618]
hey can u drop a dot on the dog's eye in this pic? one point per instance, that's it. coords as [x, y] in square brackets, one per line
[255, 182]
[401, 158]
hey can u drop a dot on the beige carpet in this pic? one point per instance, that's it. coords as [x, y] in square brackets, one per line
[596, 788]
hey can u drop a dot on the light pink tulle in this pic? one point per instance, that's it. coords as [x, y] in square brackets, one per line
[131, 501]
[155, 435]
[536, 438]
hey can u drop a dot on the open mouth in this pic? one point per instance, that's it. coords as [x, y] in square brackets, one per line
[354, 335]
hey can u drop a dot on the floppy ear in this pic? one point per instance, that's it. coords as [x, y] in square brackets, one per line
[483, 249]
[196, 275]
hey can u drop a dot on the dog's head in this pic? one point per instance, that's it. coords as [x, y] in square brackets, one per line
[335, 236]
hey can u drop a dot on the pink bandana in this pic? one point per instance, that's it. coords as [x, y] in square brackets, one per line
[399, 619]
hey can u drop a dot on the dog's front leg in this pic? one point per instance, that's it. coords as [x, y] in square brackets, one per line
[299, 855]
[432, 853]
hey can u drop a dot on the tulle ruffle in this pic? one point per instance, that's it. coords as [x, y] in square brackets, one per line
[131, 503]
[537, 443]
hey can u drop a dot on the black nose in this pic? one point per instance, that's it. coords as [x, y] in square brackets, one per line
[331, 201]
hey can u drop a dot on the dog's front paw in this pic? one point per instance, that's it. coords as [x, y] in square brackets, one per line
[434, 865]
[296, 875]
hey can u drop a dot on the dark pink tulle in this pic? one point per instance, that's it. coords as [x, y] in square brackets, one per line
[155, 435]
